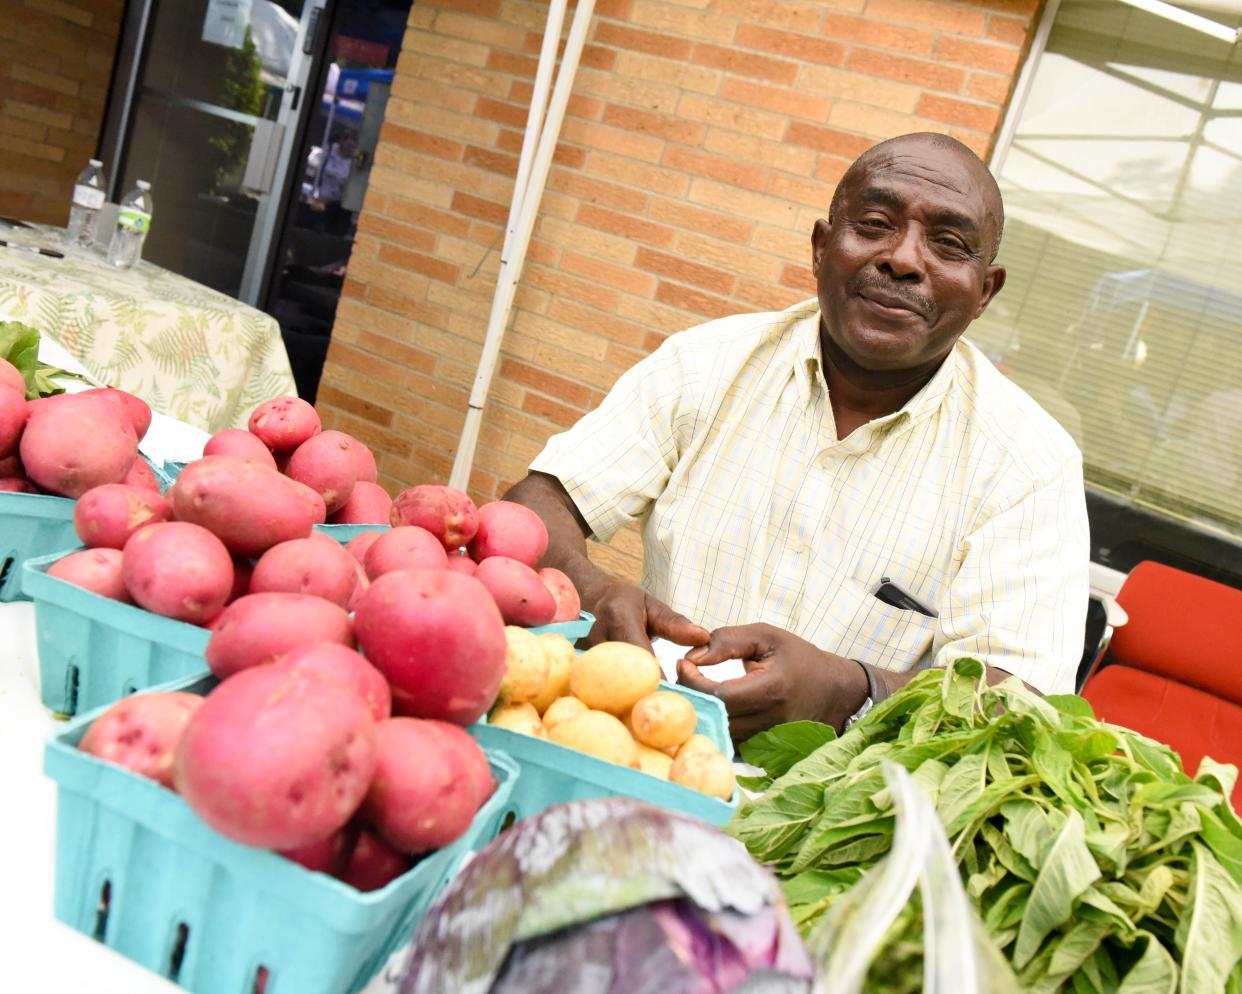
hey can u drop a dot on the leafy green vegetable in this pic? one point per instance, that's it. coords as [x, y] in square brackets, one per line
[1096, 864]
[19, 344]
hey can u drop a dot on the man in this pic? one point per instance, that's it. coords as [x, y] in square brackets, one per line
[788, 467]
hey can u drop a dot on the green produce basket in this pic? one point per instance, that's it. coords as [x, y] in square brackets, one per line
[38, 524]
[344, 533]
[572, 630]
[139, 871]
[553, 774]
[31, 525]
[94, 650]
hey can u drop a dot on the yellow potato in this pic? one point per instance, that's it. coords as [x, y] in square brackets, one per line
[696, 743]
[560, 653]
[526, 667]
[598, 734]
[663, 719]
[518, 718]
[653, 761]
[614, 676]
[560, 709]
[708, 772]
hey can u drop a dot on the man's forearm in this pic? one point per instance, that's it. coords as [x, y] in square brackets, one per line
[567, 531]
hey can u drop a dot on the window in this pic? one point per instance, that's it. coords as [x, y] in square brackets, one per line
[1123, 311]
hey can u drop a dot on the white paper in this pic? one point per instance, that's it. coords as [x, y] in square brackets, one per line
[669, 652]
[226, 21]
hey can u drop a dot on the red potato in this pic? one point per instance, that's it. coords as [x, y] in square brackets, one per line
[406, 547]
[261, 628]
[135, 410]
[364, 458]
[76, 441]
[11, 466]
[324, 855]
[327, 464]
[284, 423]
[250, 507]
[368, 504]
[313, 503]
[106, 516]
[11, 376]
[373, 863]
[509, 529]
[568, 603]
[439, 639]
[461, 564]
[423, 795]
[140, 475]
[276, 757]
[96, 570]
[240, 444]
[360, 543]
[343, 665]
[141, 732]
[318, 566]
[476, 770]
[449, 514]
[363, 583]
[17, 485]
[179, 570]
[519, 593]
[243, 570]
[13, 415]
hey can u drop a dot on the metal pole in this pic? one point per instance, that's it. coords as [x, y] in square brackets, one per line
[514, 256]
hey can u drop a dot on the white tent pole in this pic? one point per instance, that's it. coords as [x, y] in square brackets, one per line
[534, 117]
[511, 265]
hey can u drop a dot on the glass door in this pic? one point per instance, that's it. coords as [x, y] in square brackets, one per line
[211, 125]
[330, 169]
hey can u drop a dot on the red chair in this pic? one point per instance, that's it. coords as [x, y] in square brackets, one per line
[1174, 671]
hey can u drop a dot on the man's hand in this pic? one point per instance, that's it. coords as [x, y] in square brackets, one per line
[787, 679]
[625, 613]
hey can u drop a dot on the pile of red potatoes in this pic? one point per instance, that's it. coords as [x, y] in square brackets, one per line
[347, 672]
[67, 444]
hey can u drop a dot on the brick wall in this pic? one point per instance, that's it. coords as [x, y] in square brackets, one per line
[55, 66]
[702, 141]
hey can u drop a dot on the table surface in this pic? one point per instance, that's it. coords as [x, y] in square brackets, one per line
[189, 351]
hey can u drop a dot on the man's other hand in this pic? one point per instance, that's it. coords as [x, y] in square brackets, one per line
[787, 679]
[626, 613]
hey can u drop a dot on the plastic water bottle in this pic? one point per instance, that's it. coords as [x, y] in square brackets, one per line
[88, 198]
[133, 221]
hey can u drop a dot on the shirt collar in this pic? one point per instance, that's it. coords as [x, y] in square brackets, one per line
[808, 369]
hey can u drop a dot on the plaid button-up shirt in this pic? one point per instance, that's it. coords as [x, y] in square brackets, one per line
[722, 443]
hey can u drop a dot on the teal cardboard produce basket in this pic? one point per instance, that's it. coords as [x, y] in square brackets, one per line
[34, 525]
[553, 774]
[139, 871]
[94, 650]
[31, 525]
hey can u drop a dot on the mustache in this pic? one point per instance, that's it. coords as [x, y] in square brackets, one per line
[916, 301]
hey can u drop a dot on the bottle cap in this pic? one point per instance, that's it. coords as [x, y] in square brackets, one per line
[142, 184]
[96, 162]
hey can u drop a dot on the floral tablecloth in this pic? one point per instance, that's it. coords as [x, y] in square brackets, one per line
[188, 351]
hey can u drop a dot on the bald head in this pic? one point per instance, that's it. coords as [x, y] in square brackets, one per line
[879, 157]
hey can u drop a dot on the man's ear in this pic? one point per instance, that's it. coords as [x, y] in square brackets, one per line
[820, 233]
[993, 281]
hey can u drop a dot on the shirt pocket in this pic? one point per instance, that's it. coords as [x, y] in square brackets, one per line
[878, 633]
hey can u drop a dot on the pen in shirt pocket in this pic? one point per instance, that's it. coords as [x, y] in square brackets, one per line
[891, 594]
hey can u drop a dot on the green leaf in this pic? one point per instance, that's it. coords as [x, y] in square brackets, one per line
[1071, 706]
[1209, 935]
[779, 748]
[773, 825]
[961, 786]
[1068, 870]
[1154, 973]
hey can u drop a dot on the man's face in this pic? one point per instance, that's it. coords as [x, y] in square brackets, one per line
[904, 265]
